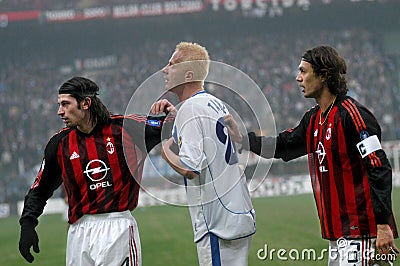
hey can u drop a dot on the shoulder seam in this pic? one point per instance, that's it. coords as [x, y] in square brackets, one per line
[354, 114]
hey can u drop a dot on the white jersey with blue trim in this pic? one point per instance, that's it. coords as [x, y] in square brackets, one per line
[219, 199]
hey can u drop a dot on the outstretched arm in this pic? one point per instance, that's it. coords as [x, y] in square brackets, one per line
[288, 145]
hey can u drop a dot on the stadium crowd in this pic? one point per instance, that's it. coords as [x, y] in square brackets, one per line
[28, 86]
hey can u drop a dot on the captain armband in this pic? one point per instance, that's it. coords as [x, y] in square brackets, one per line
[368, 146]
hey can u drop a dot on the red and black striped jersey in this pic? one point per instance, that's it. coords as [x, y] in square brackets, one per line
[101, 171]
[350, 173]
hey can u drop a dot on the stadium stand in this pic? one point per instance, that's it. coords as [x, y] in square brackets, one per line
[32, 70]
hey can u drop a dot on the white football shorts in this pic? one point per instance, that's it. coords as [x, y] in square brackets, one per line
[110, 239]
[212, 250]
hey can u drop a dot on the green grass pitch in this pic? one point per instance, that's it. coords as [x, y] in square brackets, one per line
[286, 222]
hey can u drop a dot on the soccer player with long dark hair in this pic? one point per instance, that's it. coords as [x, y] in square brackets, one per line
[99, 158]
[350, 173]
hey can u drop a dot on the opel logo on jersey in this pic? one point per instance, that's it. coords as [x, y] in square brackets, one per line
[95, 172]
[320, 152]
[321, 156]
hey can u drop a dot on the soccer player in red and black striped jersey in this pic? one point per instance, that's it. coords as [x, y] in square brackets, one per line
[350, 173]
[99, 158]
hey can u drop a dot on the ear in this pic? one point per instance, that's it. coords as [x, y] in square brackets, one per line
[324, 78]
[189, 75]
[85, 104]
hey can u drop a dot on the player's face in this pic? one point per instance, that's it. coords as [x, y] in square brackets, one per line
[68, 110]
[174, 74]
[312, 85]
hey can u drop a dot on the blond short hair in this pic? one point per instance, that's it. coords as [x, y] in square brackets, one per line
[198, 57]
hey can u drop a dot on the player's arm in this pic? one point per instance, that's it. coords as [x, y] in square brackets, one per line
[145, 131]
[379, 172]
[377, 165]
[288, 145]
[157, 124]
[148, 138]
[153, 131]
[46, 182]
[187, 134]
[174, 161]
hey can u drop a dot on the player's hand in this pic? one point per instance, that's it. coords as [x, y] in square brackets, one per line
[385, 241]
[233, 129]
[28, 239]
[163, 106]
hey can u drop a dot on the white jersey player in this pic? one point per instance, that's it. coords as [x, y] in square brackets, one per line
[219, 201]
[221, 211]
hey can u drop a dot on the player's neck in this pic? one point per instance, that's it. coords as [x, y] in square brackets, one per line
[86, 127]
[326, 101]
[190, 90]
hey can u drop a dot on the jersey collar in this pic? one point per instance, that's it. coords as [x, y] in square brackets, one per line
[199, 92]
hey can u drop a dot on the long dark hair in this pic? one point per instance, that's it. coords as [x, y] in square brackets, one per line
[81, 88]
[328, 64]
